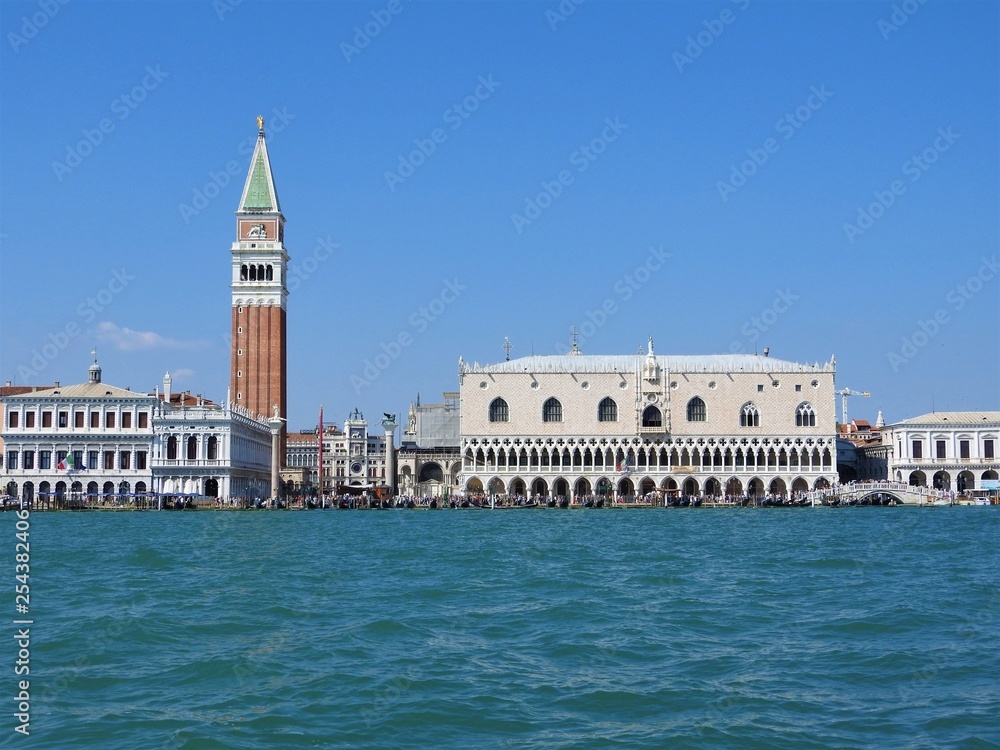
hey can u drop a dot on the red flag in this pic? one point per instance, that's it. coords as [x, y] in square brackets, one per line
[320, 449]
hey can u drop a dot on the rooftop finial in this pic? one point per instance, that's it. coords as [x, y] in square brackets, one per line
[260, 123]
[575, 335]
[507, 346]
[95, 369]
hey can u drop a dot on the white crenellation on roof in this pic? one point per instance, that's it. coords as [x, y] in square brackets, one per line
[690, 363]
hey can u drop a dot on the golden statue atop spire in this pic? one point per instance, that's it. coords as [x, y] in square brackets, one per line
[260, 122]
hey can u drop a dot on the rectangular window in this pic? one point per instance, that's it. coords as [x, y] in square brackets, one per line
[95, 420]
[126, 420]
[124, 459]
[143, 420]
[109, 459]
[63, 419]
[963, 448]
[29, 459]
[798, 387]
[12, 419]
[93, 460]
[109, 420]
[11, 460]
[918, 449]
[988, 449]
[140, 460]
[78, 459]
[78, 419]
[60, 457]
[44, 459]
[29, 419]
[940, 449]
[760, 389]
[46, 419]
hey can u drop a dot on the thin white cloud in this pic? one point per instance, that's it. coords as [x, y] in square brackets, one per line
[181, 372]
[127, 340]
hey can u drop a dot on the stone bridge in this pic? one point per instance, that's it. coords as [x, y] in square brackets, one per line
[906, 494]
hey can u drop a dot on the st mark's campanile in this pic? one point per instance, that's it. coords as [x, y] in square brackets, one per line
[258, 364]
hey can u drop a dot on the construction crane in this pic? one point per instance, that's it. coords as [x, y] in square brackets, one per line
[844, 393]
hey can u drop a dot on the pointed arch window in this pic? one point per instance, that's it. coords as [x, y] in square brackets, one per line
[805, 416]
[696, 411]
[607, 410]
[651, 417]
[552, 411]
[499, 411]
[749, 416]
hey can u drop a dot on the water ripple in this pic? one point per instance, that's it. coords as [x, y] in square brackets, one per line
[752, 628]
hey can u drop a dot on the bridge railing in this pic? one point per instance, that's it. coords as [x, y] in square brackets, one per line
[910, 492]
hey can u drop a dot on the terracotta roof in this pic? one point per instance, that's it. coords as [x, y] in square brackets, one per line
[20, 390]
[186, 399]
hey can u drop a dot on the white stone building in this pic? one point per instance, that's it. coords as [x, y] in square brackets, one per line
[946, 450]
[645, 425]
[68, 443]
[202, 448]
[96, 443]
[355, 460]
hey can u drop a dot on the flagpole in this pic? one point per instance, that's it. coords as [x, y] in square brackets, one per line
[322, 504]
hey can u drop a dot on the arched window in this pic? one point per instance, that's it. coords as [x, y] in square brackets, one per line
[172, 448]
[651, 417]
[499, 411]
[192, 448]
[269, 272]
[749, 416]
[696, 410]
[243, 272]
[213, 448]
[607, 410]
[552, 411]
[253, 273]
[805, 416]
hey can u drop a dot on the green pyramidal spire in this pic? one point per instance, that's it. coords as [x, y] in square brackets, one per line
[259, 194]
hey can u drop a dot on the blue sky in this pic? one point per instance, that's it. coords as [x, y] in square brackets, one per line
[818, 178]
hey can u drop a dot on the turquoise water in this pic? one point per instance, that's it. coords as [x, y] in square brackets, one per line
[749, 628]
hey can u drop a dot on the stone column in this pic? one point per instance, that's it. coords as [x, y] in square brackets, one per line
[275, 424]
[389, 425]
